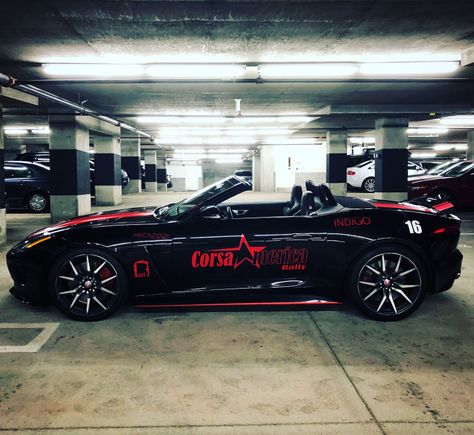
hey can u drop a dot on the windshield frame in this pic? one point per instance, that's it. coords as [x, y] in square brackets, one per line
[202, 198]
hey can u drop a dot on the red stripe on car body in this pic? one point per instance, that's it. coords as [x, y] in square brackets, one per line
[239, 304]
[402, 206]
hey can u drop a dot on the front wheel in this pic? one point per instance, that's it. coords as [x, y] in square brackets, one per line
[369, 185]
[88, 284]
[388, 283]
[37, 202]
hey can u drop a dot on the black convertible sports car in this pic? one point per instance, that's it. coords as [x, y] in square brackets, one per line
[204, 252]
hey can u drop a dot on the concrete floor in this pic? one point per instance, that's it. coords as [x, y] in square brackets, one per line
[264, 372]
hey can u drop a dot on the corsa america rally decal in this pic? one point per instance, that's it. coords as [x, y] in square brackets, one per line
[287, 258]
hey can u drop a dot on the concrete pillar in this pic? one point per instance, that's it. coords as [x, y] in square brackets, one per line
[336, 162]
[256, 172]
[108, 174]
[391, 158]
[267, 169]
[150, 170]
[131, 164]
[470, 145]
[161, 179]
[3, 221]
[70, 168]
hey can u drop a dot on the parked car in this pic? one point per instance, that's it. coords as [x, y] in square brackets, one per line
[355, 159]
[363, 175]
[43, 157]
[455, 184]
[206, 252]
[27, 186]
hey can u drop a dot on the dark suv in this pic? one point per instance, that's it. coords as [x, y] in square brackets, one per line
[26, 186]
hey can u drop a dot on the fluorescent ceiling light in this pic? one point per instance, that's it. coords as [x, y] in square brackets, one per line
[40, 130]
[191, 151]
[306, 70]
[273, 119]
[423, 155]
[290, 141]
[233, 150]
[467, 120]
[427, 131]
[224, 133]
[197, 120]
[460, 147]
[224, 161]
[92, 69]
[195, 71]
[408, 68]
[15, 131]
[443, 147]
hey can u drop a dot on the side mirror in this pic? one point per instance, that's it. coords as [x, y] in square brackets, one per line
[211, 212]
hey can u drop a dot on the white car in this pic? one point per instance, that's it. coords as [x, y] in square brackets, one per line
[363, 174]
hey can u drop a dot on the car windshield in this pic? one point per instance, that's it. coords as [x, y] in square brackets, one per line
[438, 169]
[460, 168]
[173, 211]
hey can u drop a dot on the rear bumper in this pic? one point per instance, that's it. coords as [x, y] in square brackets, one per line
[447, 271]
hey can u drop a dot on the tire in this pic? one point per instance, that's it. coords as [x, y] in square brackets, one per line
[369, 185]
[88, 284]
[37, 202]
[391, 291]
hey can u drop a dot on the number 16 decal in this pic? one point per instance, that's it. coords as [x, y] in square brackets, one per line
[414, 227]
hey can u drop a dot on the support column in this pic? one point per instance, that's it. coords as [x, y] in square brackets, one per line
[108, 174]
[161, 180]
[391, 158]
[70, 168]
[131, 164]
[336, 162]
[150, 170]
[470, 145]
[267, 169]
[256, 173]
[3, 221]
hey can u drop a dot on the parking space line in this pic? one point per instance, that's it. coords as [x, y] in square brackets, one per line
[34, 345]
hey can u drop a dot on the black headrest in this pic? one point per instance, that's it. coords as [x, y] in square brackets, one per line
[296, 194]
[321, 193]
[307, 203]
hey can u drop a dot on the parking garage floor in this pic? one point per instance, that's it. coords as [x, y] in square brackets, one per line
[247, 372]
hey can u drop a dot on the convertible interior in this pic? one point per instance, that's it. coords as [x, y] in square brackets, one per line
[314, 201]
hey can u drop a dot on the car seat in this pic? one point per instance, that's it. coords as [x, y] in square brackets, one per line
[294, 205]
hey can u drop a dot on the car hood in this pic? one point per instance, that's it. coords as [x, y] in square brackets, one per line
[425, 179]
[124, 216]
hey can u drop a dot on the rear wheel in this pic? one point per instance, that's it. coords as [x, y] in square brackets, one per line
[388, 283]
[369, 185]
[88, 284]
[37, 202]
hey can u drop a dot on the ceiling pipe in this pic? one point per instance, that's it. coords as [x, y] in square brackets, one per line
[8, 81]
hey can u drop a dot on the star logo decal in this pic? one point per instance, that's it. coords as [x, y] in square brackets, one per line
[244, 252]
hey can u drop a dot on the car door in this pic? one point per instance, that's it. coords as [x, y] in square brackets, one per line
[248, 253]
[15, 176]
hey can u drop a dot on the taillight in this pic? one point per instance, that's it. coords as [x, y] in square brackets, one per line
[351, 173]
[454, 228]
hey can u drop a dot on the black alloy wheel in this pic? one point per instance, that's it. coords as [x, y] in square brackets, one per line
[88, 284]
[388, 284]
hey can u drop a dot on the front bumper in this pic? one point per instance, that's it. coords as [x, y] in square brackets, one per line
[29, 279]
[447, 271]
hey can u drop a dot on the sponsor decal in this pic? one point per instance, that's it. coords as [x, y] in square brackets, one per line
[351, 221]
[287, 258]
[141, 269]
[152, 236]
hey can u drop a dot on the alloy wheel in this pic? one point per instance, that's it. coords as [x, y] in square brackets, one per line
[87, 285]
[389, 284]
[369, 185]
[37, 202]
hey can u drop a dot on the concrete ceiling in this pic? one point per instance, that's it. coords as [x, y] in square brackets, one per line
[42, 31]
